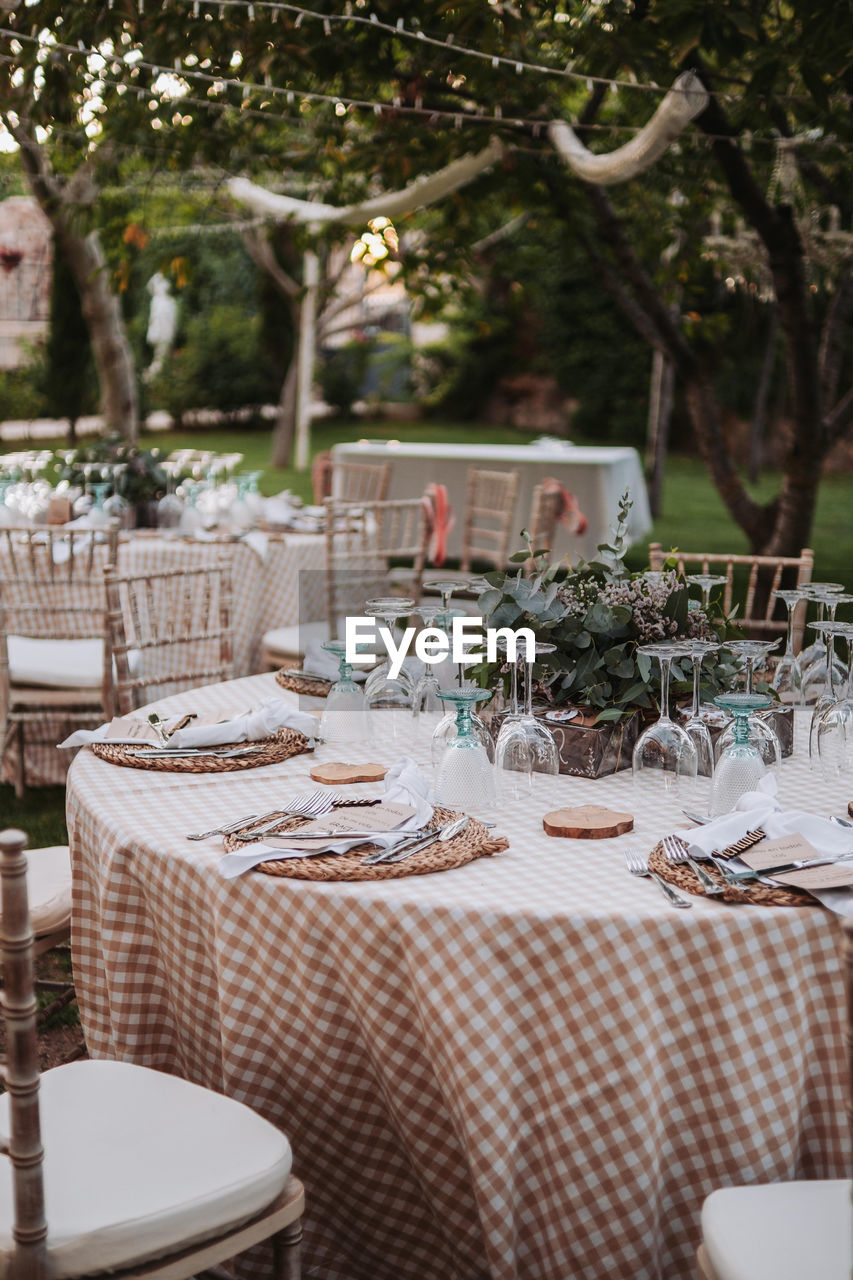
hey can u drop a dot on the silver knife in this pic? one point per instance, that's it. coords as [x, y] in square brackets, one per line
[447, 832]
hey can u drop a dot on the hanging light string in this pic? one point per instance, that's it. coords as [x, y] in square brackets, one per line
[433, 115]
[399, 28]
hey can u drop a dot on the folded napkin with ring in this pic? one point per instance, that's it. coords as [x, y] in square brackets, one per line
[252, 726]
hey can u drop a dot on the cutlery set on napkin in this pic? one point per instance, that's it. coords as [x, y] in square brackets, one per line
[780, 847]
[199, 735]
[397, 825]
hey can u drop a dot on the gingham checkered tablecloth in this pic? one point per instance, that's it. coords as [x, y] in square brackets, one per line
[276, 589]
[527, 1068]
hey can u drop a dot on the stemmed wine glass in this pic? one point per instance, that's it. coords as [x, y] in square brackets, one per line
[664, 753]
[706, 581]
[425, 701]
[762, 734]
[788, 676]
[740, 767]
[813, 659]
[446, 727]
[382, 691]
[96, 514]
[694, 726]
[525, 746]
[464, 777]
[831, 731]
[345, 718]
[445, 587]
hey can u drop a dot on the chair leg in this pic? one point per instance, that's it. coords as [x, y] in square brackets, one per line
[287, 1252]
[20, 778]
[704, 1270]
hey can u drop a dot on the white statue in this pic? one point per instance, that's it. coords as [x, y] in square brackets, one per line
[162, 322]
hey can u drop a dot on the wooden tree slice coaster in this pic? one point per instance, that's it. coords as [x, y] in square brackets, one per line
[336, 774]
[587, 822]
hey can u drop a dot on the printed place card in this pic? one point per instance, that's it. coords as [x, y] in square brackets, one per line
[380, 817]
[778, 852]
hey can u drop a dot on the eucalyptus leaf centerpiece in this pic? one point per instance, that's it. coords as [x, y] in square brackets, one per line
[597, 613]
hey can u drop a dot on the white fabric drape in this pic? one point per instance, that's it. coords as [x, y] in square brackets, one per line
[687, 98]
[419, 194]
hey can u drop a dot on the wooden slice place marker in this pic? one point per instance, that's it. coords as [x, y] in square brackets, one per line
[587, 822]
[336, 774]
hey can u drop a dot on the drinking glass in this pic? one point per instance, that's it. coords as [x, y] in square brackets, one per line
[425, 700]
[383, 692]
[740, 767]
[445, 587]
[525, 746]
[464, 777]
[664, 755]
[97, 515]
[788, 677]
[706, 581]
[345, 718]
[694, 726]
[813, 660]
[762, 735]
[831, 731]
[446, 727]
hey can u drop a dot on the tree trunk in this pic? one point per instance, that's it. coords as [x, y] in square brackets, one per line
[759, 417]
[110, 347]
[660, 412]
[284, 430]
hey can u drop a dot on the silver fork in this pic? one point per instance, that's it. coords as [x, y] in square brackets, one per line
[638, 866]
[677, 854]
[312, 805]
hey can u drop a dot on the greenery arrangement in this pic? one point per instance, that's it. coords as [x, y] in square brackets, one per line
[598, 614]
[143, 480]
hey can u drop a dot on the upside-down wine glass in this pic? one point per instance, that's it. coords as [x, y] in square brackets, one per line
[445, 587]
[383, 692]
[832, 735]
[706, 581]
[694, 726]
[464, 775]
[788, 677]
[664, 754]
[827, 631]
[761, 732]
[345, 718]
[740, 767]
[425, 700]
[818, 593]
[446, 727]
[525, 747]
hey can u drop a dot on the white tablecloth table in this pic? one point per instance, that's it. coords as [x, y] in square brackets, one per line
[596, 475]
[527, 1068]
[276, 582]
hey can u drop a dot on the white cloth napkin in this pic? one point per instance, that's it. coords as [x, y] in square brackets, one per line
[251, 726]
[760, 808]
[404, 784]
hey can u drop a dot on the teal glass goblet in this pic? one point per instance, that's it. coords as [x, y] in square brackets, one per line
[345, 718]
[740, 768]
[465, 777]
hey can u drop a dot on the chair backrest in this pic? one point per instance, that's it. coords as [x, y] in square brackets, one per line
[489, 514]
[765, 575]
[545, 509]
[21, 1069]
[169, 631]
[363, 541]
[360, 481]
[51, 582]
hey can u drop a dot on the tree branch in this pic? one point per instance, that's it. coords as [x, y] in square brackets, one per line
[831, 352]
[261, 252]
[838, 421]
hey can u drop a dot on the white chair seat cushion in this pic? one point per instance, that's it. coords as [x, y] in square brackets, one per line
[780, 1231]
[49, 888]
[139, 1164]
[56, 664]
[294, 639]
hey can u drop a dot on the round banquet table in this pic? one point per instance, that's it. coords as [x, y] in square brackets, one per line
[527, 1068]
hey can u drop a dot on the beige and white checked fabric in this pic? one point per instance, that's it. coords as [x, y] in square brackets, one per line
[527, 1068]
[283, 586]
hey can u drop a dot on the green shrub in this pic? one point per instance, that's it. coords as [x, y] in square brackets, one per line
[341, 372]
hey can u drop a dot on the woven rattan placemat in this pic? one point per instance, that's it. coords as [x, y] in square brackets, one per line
[475, 841]
[280, 746]
[302, 684]
[683, 877]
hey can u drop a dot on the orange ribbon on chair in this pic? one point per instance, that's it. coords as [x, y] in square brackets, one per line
[569, 512]
[440, 520]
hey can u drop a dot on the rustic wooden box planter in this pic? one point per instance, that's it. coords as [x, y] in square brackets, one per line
[589, 750]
